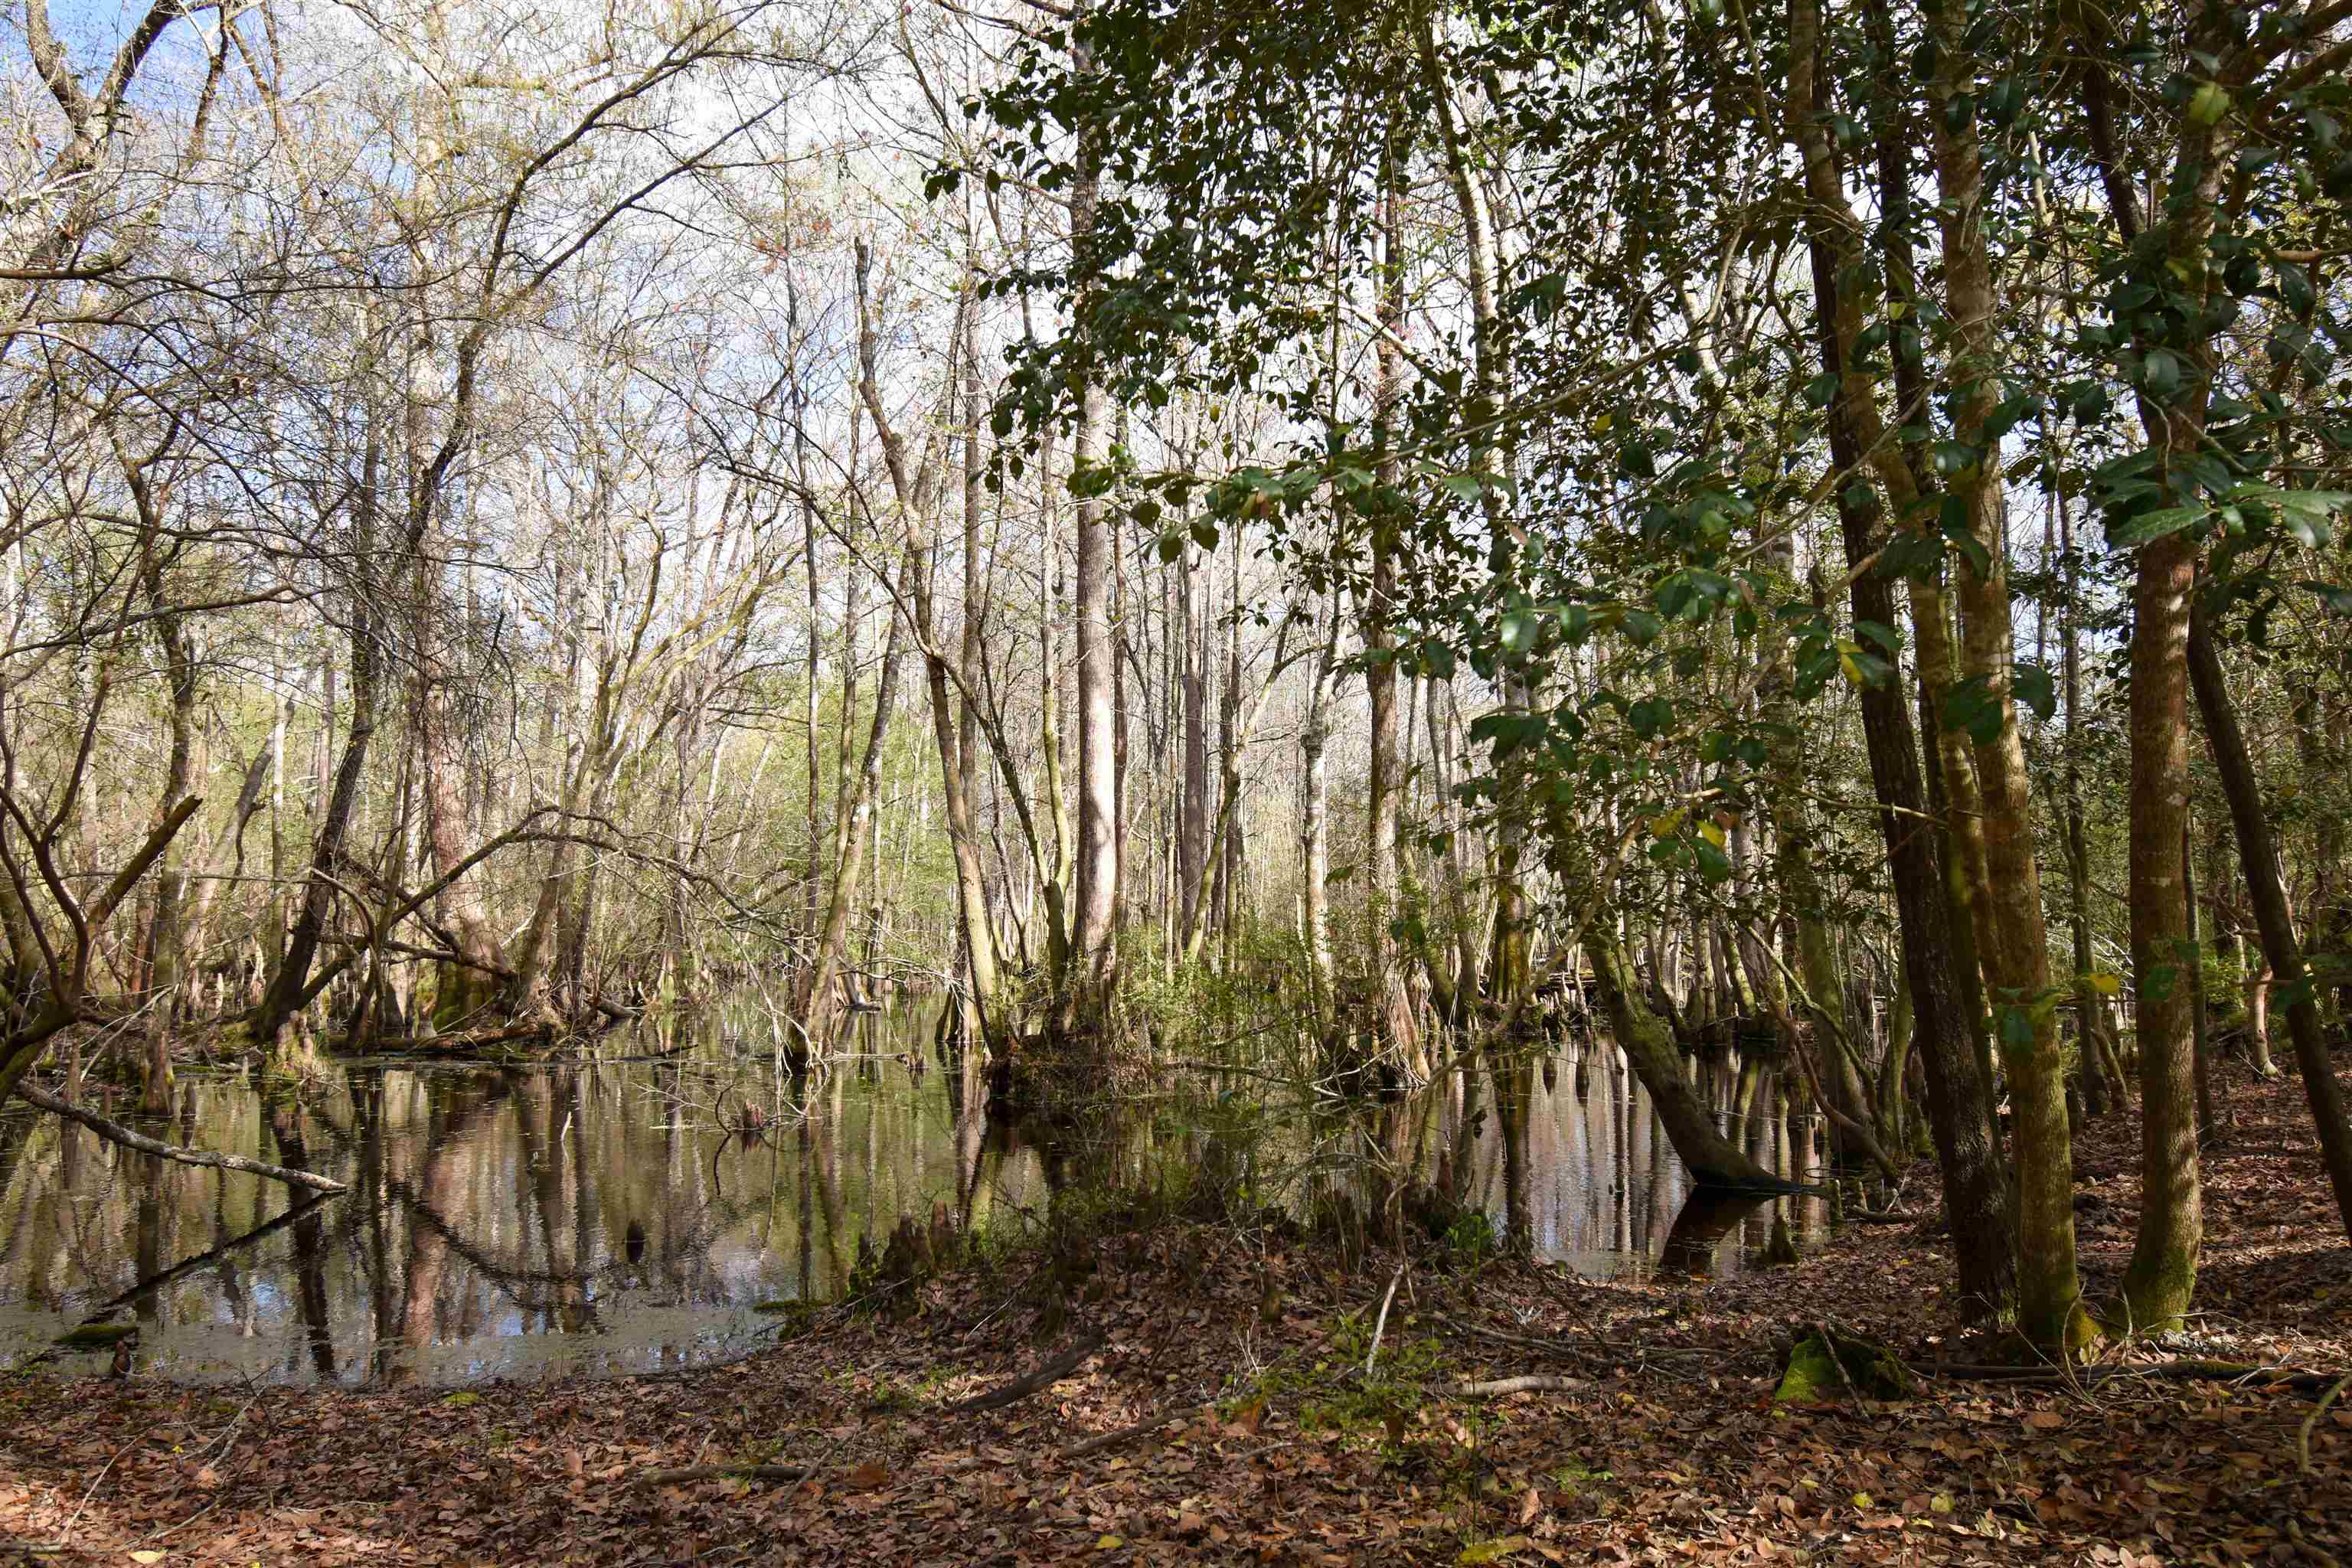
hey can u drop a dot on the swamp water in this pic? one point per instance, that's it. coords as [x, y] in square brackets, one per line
[623, 1215]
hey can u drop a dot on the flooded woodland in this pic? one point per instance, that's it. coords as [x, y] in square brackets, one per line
[1111, 718]
[632, 1212]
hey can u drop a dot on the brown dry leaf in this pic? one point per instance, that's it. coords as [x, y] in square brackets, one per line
[1530, 1505]
[872, 1473]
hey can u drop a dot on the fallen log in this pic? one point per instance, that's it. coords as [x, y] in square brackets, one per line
[2312, 1385]
[115, 1132]
[447, 1045]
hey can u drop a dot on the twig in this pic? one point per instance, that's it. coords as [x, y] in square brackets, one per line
[2302, 1435]
[65, 1531]
[1046, 1376]
[1379, 1324]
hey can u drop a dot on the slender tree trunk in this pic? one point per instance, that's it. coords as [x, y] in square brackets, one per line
[2017, 959]
[818, 1001]
[1315, 849]
[1087, 989]
[1385, 787]
[290, 989]
[2090, 1004]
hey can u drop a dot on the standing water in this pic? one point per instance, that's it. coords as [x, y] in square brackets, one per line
[627, 1215]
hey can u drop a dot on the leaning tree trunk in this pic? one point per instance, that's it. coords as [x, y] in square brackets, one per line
[2267, 890]
[1714, 1160]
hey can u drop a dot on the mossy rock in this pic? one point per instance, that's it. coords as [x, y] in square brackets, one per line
[95, 1336]
[1812, 1376]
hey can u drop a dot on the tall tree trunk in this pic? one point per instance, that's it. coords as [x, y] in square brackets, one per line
[1959, 1096]
[166, 938]
[1089, 986]
[2017, 959]
[1192, 828]
[1315, 847]
[1386, 784]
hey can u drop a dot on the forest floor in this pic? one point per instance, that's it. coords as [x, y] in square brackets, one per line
[1659, 1444]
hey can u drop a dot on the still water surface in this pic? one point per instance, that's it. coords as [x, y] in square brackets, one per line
[614, 1215]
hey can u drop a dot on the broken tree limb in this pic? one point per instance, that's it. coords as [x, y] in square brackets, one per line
[1526, 1383]
[1046, 1376]
[793, 1473]
[115, 1132]
[1149, 1423]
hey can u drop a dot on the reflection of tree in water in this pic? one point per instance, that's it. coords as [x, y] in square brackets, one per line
[607, 1203]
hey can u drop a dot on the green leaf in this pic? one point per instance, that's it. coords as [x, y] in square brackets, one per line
[2208, 105]
[2033, 688]
[1519, 630]
[2147, 525]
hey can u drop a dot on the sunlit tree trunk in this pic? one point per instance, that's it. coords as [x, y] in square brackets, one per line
[2017, 958]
